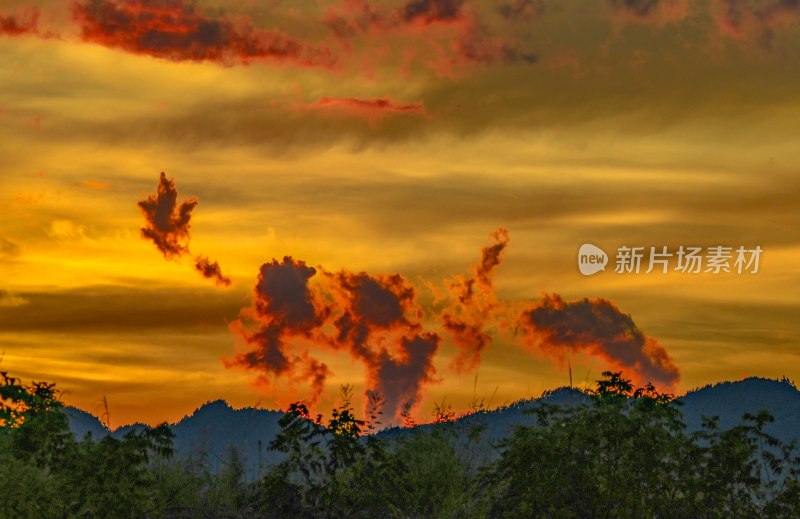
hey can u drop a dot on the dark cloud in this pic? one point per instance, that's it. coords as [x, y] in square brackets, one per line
[283, 296]
[599, 328]
[167, 222]
[179, 31]
[267, 353]
[755, 20]
[400, 379]
[379, 302]
[432, 11]
[375, 311]
[284, 309]
[23, 22]
[475, 46]
[443, 35]
[168, 226]
[370, 305]
[374, 318]
[211, 270]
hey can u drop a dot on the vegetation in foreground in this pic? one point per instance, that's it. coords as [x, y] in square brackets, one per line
[626, 454]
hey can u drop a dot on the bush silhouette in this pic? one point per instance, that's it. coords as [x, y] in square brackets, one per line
[618, 452]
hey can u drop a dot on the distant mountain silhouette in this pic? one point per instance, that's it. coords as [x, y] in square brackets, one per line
[205, 436]
[208, 434]
[730, 400]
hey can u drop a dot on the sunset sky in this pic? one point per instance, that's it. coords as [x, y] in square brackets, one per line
[393, 137]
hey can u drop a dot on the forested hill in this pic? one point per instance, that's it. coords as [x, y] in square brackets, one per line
[206, 434]
[215, 427]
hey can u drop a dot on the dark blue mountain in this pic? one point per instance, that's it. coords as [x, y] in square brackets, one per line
[207, 435]
[730, 400]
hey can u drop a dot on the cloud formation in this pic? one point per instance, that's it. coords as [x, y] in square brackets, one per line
[379, 326]
[401, 376]
[446, 36]
[371, 303]
[754, 20]
[474, 302]
[370, 108]
[432, 11]
[374, 320]
[175, 30]
[211, 270]
[284, 310]
[168, 224]
[23, 22]
[598, 327]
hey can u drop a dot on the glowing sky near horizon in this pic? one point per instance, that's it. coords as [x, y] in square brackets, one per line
[390, 137]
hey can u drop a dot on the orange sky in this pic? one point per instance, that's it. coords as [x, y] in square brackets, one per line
[391, 138]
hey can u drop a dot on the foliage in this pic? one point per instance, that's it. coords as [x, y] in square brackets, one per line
[621, 452]
[628, 455]
[30, 421]
[46, 473]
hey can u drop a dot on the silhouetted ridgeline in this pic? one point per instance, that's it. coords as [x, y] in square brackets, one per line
[206, 435]
[209, 433]
[616, 451]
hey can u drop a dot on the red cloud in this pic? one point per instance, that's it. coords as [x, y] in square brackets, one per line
[24, 22]
[474, 303]
[378, 326]
[754, 20]
[376, 320]
[598, 327]
[375, 108]
[284, 309]
[174, 30]
[447, 35]
[432, 11]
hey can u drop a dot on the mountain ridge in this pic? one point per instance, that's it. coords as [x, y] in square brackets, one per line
[209, 433]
